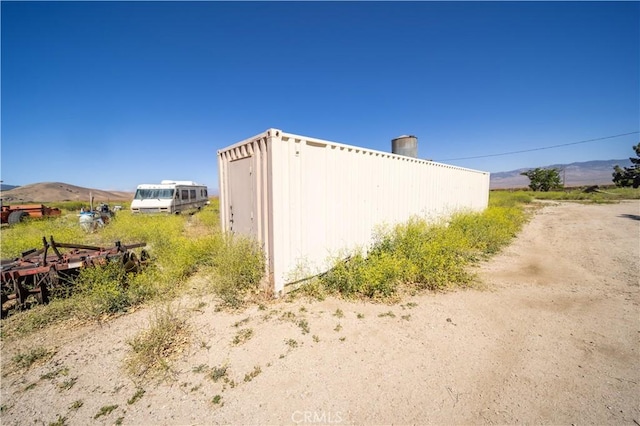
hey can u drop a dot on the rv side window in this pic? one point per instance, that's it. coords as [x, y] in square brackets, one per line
[185, 194]
[192, 193]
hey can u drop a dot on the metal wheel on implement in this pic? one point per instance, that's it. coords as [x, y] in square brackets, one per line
[30, 278]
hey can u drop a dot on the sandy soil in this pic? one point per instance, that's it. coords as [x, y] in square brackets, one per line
[552, 339]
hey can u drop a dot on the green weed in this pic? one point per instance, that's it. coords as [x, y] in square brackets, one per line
[603, 194]
[200, 368]
[105, 410]
[253, 374]
[314, 288]
[60, 421]
[179, 246]
[242, 336]
[151, 350]
[136, 396]
[76, 405]
[599, 196]
[304, 326]
[104, 290]
[419, 255]
[26, 360]
[237, 269]
[218, 373]
[509, 198]
[55, 373]
[28, 235]
[288, 316]
[292, 343]
[40, 317]
[242, 322]
[68, 384]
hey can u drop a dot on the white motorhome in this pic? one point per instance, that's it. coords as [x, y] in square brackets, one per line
[170, 196]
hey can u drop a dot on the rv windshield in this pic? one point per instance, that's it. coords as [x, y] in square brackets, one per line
[145, 194]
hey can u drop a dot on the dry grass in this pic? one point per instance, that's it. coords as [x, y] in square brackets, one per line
[34, 356]
[180, 247]
[152, 350]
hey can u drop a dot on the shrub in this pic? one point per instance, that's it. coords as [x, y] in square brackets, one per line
[238, 266]
[422, 255]
[26, 360]
[509, 199]
[598, 196]
[28, 235]
[152, 350]
[103, 289]
[180, 245]
[488, 232]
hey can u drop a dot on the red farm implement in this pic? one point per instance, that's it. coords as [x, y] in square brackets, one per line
[17, 213]
[38, 271]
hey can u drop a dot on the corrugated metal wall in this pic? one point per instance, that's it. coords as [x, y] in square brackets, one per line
[310, 199]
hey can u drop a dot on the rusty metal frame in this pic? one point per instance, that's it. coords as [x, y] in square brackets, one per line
[36, 271]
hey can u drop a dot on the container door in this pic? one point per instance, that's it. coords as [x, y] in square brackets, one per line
[241, 197]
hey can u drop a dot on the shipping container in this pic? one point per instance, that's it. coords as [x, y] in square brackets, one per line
[308, 201]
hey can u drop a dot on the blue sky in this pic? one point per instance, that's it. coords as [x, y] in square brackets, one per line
[109, 95]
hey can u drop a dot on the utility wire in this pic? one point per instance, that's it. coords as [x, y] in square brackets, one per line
[540, 149]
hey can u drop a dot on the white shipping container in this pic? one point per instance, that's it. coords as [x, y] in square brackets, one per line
[308, 200]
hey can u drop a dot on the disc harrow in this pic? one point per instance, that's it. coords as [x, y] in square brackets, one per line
[38, 271]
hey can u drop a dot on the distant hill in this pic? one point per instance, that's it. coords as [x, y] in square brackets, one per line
[575, 174]
[47, 192]
[4, 187]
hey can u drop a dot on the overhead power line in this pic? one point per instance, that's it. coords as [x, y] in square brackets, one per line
[540, 149]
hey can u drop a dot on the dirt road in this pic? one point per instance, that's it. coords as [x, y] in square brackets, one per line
[554, 338]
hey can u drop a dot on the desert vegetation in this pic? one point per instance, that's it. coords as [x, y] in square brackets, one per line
[180, 246]
[629, 176]
[541, 179]
[411, 257]
[419, 255]
[586, 195]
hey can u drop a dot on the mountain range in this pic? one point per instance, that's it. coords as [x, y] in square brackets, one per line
[598, 172]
